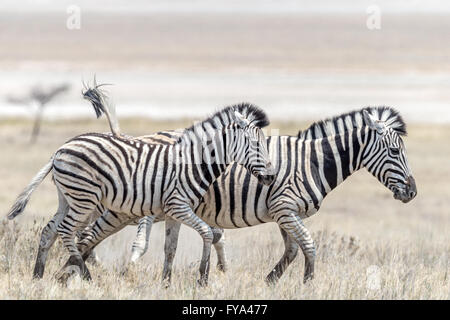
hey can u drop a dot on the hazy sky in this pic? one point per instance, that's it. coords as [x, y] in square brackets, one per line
[387, 6]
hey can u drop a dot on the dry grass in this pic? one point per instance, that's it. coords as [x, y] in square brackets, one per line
[360, 225]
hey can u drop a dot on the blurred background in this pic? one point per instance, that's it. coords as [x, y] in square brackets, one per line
[299, 60]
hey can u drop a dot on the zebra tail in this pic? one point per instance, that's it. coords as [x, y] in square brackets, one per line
[101, 104]
[22, 199]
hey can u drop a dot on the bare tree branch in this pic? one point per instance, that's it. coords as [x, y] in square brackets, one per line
[41, 97]
[45, 96]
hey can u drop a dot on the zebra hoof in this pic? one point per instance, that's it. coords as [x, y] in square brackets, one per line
[271, 280]
[93, 260]
[135, 257]
[38, 273]
[64, 275]
[86, 275]
[166, 283]
[308, 278]
[221, 267]
[73, 265]
[202, 282]
[124, 272]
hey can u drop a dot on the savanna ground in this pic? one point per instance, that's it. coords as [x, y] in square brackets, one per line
[360, 228]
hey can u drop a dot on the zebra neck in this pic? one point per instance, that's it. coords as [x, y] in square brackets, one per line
[202, 162]
[336, 157]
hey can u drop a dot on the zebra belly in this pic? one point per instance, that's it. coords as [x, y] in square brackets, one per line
[230, 207]
[226, 221]
[135, 205]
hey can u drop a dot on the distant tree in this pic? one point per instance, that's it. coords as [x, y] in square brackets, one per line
[40, 97]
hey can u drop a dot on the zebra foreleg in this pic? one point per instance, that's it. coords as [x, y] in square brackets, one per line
[170, 248]
[219, 245]
[185, 215]
[294, 227]
[140, 244]
[290, 252]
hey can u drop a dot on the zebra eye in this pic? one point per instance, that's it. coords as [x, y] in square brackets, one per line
[395, 151]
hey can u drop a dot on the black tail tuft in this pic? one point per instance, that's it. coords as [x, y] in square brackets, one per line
[95, 97]
[17, 209]
[102, 105]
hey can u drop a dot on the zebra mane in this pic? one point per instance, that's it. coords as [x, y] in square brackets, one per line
[252, 113]
[353, 120]
[224, 117]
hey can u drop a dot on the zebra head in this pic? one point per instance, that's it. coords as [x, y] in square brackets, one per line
[249, 148]
[385, 155]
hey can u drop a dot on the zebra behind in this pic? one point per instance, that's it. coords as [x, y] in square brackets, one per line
[308, 168]
[126, 179]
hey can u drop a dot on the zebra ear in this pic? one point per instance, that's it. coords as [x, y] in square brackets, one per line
[374, 123]
[241, 120]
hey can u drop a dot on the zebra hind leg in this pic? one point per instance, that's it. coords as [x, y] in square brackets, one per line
[140, 243]
[106, 225]
[93, 258]
[290, 252]
[67, 231]
[170, 248]
[219, 245]
[48, 237]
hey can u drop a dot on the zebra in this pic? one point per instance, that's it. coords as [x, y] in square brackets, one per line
[139, 247]
[308, 167]
[124, 179]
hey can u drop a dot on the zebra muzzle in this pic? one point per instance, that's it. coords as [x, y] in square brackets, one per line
[407, 193]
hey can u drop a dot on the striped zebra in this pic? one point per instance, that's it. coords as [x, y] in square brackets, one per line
[124, 179]
[308, 167]
[140, 245]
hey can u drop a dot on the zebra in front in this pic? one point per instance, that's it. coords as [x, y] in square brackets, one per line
[308, 167]
[127, 179]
